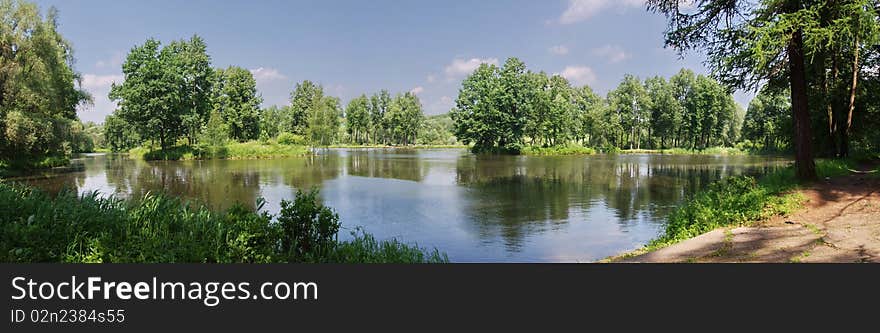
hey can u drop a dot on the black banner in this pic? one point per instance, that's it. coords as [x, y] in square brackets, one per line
[415, 297]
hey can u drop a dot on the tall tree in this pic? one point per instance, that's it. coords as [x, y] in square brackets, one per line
[379, 104]
[150, 98]
[237, 101]
[38, 92]
[357, 118]
[747, 44]
[305, 95]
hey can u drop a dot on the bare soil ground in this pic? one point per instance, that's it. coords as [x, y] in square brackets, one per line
[839, 223]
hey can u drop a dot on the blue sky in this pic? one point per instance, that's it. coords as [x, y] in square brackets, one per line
[355, 47]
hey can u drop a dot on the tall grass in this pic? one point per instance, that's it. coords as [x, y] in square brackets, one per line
[35, 227]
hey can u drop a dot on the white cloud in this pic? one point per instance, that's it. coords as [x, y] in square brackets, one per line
[559, 50]
[94, 82]
[417, 90]
[99, 87]
[579, 75]
[579, 10]
[115, 61]
[267, 74]
[431, 78]
[612, 53]
[442, 105]
[461, 67]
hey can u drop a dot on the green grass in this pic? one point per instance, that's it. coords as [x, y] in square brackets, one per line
[234, 150]
[570, 149]
[36, 227]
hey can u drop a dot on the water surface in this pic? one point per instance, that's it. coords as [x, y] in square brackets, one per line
[474, 208]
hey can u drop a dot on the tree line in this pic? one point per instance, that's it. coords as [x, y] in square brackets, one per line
[508, 107]
[172, 93]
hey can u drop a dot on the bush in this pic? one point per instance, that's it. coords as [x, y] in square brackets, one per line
[287, 138]
[308, 228]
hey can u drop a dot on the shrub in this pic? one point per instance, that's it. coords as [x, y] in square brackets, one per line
[287, 138]
[308, 228]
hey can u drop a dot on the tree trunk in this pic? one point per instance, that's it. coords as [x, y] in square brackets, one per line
[804, 165]
[844, 140]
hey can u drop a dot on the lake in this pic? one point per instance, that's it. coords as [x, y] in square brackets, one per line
[474, 208]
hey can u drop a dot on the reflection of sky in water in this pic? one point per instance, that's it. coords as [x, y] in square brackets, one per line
[474, 208]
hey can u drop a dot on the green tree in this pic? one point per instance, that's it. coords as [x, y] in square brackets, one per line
[749, 43]
[304, 96]
[379, 104]
[323, 121]
[272, 121]
[150, 98]
[236, 99]
[38, 94]
[631, 102]
[357, 118]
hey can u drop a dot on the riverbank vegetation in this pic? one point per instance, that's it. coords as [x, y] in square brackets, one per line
[37, 227]
[739, 201]
[38, 94]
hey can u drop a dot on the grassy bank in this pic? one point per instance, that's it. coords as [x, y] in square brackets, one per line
[737, 201]
[35, 227]
[235, 150]
[557, 150]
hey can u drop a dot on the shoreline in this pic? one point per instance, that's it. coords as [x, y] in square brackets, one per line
[833, 222]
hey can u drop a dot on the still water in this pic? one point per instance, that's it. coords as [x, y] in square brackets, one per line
[474, 208]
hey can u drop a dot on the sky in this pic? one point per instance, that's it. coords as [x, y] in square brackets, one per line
[359, 47]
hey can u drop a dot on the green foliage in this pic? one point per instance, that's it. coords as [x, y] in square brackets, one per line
[307, 227]
[570, 149]
[235, 98]
[35, 227]
[288, 138]
[731, 201]
[38, 95]
[436, 130]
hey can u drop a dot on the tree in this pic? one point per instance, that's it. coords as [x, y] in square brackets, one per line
[357, 118]
[38, 92]
[767, 124]
[631, 102]
[235, 98]
[323, 120]
[272, 121]
[150, 97]
[476, 115]
[379, 104]
[195, 65]
[665, 109]
[748, 44]
[304, 96]
[119, 135]
[404, 118]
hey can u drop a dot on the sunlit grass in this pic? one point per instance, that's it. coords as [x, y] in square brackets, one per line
[233, 150]
[570, 149]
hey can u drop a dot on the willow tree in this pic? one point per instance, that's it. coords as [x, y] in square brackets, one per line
[38, 92]
[748, 44]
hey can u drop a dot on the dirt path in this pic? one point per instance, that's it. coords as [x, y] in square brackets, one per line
[840, 222]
